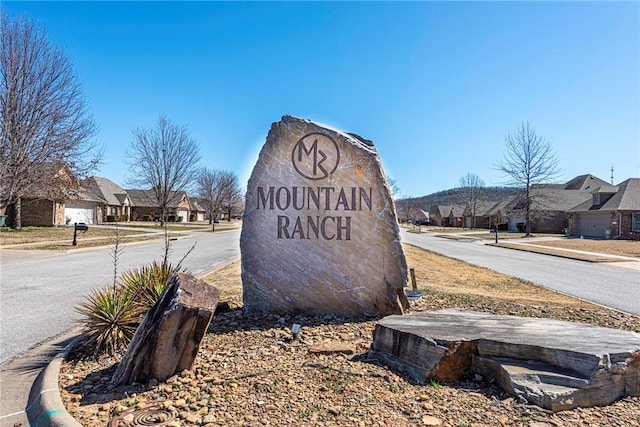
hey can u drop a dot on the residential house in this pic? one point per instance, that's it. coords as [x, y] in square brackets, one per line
[482, 219]
[198, 213]
[85, 207]
[610, 212]
[456, 216]
[496, 215]
[99, 200]
[440, 214]
[38, 212]
[423, 216]
[43, 206]
[145, 207]
[550, 204]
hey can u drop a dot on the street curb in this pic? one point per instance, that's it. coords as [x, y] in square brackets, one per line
[45, 407]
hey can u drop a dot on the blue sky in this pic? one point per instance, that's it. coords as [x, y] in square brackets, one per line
[435, 85]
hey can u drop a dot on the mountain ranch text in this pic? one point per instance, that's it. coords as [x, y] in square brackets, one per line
[319, 227]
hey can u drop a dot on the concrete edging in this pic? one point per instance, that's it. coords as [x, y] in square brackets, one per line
[45, 407]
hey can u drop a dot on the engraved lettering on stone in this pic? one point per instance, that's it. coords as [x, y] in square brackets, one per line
[315, 156]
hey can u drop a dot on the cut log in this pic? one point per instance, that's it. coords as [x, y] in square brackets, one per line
[169, 336]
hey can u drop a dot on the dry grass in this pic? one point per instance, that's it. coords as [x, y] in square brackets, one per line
[434, 273]
[61, 237]
[249, 372]
[627, 248]
[56, 234]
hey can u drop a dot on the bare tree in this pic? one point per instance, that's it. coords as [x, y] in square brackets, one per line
[218, 189]
[529, 159]
[393, 186]
[46, 129]
[406, 208]
[208, 192]
[232, 195]
[471, 192]
[164, 159]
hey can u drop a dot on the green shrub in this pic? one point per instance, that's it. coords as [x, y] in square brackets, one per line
[146, 217]
[110, 319]
[145, 284]
[112, 315]
[113, 218]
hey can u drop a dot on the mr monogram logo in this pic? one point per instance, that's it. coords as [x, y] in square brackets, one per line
[315, 212]
[315, 156]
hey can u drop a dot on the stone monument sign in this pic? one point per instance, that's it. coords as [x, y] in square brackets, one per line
[320, 234]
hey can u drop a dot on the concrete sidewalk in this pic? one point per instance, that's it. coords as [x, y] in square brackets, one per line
[21, 390]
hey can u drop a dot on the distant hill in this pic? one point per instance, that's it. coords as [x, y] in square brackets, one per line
[452, 196]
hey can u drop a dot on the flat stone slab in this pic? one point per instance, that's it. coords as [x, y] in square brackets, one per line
[550, 363]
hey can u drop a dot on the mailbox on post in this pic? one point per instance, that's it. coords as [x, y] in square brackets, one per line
[78, 226]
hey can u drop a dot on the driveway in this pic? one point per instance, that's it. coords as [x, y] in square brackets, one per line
[608, 285]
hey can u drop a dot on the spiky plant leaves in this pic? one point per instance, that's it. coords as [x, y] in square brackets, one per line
[112, 315]
[110, 319]
[147, 283]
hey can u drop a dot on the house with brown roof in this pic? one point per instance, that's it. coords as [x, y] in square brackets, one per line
[496, 214]
[439, 215]
[482, 217]
[610, 212]
[43, 204]
[198, 213]
[550, 204]
[115, 204]
[144, 207]
[456, 216]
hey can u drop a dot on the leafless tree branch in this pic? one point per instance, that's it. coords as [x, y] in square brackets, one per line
[220, 192]
[529, 159]
[471, 191]
[163, 159]
[44, 122]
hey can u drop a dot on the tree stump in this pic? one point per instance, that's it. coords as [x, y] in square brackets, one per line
[169, 336]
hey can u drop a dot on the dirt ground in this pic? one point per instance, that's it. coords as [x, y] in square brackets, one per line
[434, 273]
[249, 372]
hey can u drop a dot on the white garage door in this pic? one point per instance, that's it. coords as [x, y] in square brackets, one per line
[184, 214]
[79, 212]
[593, 225]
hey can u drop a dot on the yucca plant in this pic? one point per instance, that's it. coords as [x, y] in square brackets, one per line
[110, 319]
[145, 284]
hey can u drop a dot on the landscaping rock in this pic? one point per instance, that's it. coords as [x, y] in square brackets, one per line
[168, 338]
[319, 233]
[553, 364]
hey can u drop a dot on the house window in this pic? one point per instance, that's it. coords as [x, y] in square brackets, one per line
[635, 221]
[114, 210]
[596, 199]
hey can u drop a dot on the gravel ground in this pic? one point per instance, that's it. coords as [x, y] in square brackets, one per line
[252, 372]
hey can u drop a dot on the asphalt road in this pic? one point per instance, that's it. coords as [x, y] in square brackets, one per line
[607, 285]
[39, 289]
